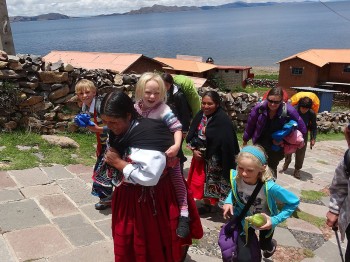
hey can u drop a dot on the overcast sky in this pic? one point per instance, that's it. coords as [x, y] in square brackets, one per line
[96, 7]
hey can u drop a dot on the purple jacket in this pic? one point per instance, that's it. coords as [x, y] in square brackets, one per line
[259, 114]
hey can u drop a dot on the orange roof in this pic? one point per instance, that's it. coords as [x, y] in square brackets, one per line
[94, 60]
[185, 65]
[321, 57]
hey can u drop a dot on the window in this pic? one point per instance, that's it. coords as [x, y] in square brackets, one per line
[297, 70]
[347, 69]
[237, 71]
[226, 70]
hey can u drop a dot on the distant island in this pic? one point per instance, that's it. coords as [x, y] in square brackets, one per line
[145, 10]
[50, 16]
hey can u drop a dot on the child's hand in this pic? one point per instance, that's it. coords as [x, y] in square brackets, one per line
[227, 208]
[268, 224]
[197, 154]
[95, 128]
[172, 151]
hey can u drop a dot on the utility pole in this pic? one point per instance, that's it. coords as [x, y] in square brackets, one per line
[6, 39]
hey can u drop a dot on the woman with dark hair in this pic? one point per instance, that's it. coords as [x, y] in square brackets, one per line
[266, 118]
[213, 141]
[144, 206]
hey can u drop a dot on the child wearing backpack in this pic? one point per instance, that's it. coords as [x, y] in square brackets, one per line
[86, 92]
[150, 97]
[252, 168]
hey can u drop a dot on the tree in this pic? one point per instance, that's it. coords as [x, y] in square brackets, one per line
[6, 39]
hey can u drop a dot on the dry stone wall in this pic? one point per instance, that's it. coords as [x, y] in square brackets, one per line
[40, 97]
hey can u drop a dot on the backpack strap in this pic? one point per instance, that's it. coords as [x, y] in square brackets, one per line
[347, 162]
[284, 110]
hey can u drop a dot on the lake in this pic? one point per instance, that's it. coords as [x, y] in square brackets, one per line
[254, 36]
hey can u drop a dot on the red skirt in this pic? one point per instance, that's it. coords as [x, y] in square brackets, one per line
[144, 222]
[196, 180]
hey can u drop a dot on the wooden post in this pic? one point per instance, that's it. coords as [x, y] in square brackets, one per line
[6, 40]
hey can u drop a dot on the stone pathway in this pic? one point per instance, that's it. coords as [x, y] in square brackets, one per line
[47, 214]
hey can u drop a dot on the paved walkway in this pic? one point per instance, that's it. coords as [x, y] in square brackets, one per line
[47, 214]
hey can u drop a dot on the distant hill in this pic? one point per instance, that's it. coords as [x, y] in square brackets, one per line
[162, 9]
[50, 16]
[146, 10]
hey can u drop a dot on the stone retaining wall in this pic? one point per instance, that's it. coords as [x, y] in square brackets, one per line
[40, 96]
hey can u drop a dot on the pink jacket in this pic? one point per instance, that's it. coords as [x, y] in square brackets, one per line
[292, 142]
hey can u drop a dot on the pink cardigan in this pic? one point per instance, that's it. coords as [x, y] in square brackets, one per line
[292, 142]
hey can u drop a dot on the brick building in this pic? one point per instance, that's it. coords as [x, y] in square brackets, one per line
[322, 68]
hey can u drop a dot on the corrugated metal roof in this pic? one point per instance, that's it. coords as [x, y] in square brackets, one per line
[186, 65]
[94, 60]
[321, 57]
[309, 88]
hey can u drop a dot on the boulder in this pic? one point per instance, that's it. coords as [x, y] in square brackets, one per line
[50, 77]
[62, 141]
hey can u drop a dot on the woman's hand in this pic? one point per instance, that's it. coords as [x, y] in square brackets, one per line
[197, 154]
[268, 224]
[112, 157]
[172, 151]
[227, 208]
[332, 219]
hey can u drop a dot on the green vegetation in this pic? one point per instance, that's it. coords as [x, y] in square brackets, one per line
[267, 76]
[311, 195]
[316, 221]
[308, 252]
[40, 153]
[329, 136]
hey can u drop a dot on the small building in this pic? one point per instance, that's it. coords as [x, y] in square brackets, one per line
[187, 67]
[124, 63]
[322, 68]
[232, 76]
[325, 96]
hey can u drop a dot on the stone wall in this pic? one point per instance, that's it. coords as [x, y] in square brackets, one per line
[40, 97]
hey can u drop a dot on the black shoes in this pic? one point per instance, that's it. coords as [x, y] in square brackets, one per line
[267, 253]
[183, 228]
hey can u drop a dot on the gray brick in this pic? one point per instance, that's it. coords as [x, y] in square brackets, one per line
[78, 230]
[30, 177]
[10, 195]
[78, 191]
[21, 214]
[57, 172]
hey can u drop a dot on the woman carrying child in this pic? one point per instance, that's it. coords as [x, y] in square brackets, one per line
[151, 95]
[252, 168]
[144, 207]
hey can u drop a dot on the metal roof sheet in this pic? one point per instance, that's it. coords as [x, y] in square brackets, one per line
[185, 65]
[94, 60]
[308, 88]
[321, 57]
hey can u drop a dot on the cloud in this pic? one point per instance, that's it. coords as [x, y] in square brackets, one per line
[96, 7]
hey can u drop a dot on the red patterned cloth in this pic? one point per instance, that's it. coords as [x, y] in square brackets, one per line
[196, 180]
[144, 222]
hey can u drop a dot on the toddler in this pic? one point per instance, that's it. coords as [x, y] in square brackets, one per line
[86, 92]
[252, 167]
[150, 97]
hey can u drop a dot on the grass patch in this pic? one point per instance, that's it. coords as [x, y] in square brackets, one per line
[322, 162]
[308, 253]
[311, 195]
[267, 76]
[330, 136]
[316, 221]
[23, 159]
[195, 242]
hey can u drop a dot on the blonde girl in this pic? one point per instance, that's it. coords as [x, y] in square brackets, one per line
[252, 167]
[150, 103]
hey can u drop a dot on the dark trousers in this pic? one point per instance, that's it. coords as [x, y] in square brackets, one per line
[299, 158]
[273, 159]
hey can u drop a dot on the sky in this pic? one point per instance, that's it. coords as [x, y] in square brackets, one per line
[97, 7]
